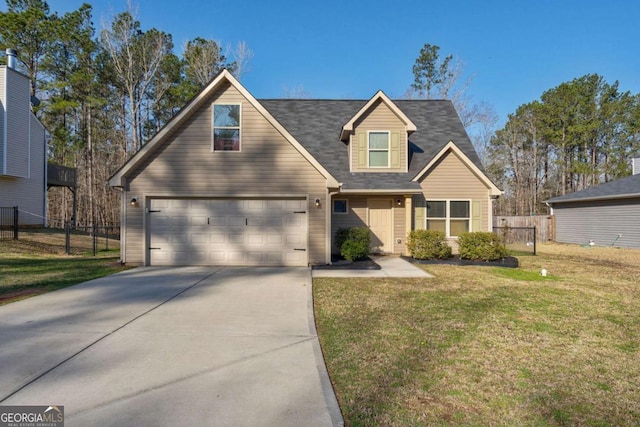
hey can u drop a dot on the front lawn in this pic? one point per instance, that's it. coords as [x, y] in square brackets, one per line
[36, 264]
[489, 346]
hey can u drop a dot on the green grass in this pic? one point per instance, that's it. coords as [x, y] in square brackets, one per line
[36, 264]
[520, 274]
[489, 346]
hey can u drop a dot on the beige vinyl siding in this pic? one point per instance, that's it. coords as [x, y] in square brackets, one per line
[379, 118]
[451, 179]
[600, 221]
[17, 104]
[356, 216]
[267, 165]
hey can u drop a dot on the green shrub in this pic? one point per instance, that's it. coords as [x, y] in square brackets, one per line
[481, 246]
[353, 243]
[428, 244]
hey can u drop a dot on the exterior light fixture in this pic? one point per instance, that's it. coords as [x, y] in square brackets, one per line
[399, 202]
[317, 202]
[134, 202]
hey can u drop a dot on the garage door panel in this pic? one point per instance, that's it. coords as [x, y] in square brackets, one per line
[255, 239]
[234, 221]
[217, 238]
[217, 257]
[178, 204]
[228, 232]
[198, 220]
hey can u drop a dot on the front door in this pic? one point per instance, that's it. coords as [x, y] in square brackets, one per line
[381, 225]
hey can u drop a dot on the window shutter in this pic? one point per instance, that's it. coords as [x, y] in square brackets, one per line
[420, 214]
[395, 150]
[476, 215]
[362, 150]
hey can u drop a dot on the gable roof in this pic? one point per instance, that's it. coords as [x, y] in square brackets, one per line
[452, 147]
[624, 188]
[314, 123]
[224, 76]
[379, 96]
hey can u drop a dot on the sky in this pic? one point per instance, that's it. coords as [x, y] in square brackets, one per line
[513, 50]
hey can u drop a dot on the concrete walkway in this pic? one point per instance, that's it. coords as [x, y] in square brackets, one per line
[171, 346]
[390, 266]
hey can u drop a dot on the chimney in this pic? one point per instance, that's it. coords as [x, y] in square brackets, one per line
[12, 57]
[635, 165]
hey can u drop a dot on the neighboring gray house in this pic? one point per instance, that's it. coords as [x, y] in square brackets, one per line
[233, 180]
[23, 178]
[607, 214]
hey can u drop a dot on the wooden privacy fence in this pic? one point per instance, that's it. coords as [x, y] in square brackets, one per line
[545, 225]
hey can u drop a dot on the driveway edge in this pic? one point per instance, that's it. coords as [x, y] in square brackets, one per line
[325, 382]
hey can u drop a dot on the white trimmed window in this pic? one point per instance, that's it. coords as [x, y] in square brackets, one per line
[452, 217]
[340, 206]
[226, 127]
[378, 149]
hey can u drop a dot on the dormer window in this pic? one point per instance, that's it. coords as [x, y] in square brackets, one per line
[379, 149]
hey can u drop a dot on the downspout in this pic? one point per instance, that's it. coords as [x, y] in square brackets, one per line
[123, 226]
[45, 208]
[328, 225]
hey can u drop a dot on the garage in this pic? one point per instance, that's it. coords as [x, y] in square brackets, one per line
[228, 232]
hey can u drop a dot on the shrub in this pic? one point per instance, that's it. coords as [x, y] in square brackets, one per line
[481, 246]
[428, 244]
[353, 243]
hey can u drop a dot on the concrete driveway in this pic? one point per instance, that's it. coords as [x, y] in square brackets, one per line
[171, 346]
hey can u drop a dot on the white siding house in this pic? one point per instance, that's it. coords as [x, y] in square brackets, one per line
[23, 178]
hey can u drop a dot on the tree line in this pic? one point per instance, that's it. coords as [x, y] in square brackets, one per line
[104, 92]
[578, 134]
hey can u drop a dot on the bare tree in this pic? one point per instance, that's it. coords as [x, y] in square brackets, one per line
[295, 92]
[136, 57]
[242, 56]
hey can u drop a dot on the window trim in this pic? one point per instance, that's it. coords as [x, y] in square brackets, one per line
[214, 127]
[346, 204]
[448, 215]
[388, 150]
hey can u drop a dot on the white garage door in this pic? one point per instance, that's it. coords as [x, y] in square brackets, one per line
[228, 232]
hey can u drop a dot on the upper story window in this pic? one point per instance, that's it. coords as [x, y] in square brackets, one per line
[379, 149]
[452, 217]
[226, 127]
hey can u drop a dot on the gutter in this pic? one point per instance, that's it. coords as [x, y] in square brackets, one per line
[393, 191]
[594, 198]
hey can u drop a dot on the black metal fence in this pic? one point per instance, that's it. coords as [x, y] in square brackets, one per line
[9, 223]
[518, 239]
[91, 238]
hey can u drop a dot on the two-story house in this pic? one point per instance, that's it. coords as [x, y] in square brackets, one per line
[233, 180]
[23, 178]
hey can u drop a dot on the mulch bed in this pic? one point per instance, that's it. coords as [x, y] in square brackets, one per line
[509, 262]
[339, 263]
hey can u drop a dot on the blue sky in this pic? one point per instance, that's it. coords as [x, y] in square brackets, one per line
[349, 49]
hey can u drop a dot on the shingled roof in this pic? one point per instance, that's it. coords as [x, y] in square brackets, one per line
[316, 124]
[624, 188]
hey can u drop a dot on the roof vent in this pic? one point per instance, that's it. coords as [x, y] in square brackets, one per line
[12, 57]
